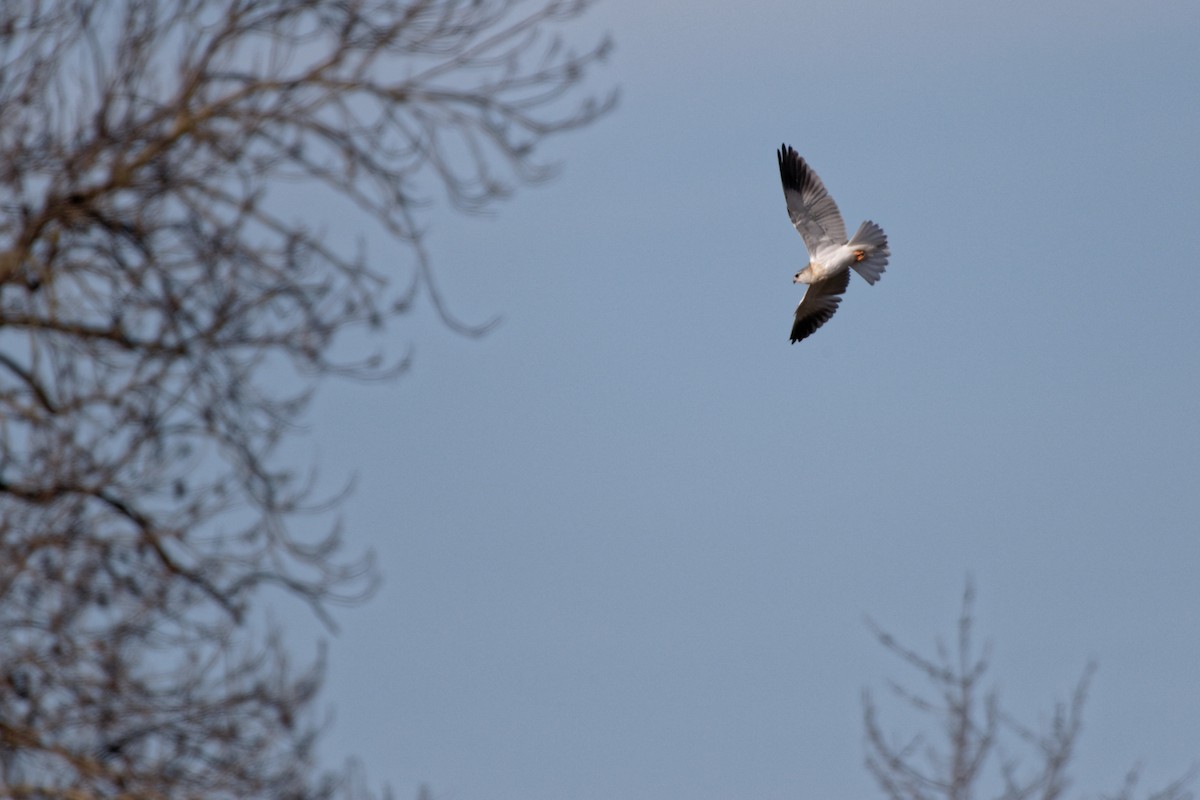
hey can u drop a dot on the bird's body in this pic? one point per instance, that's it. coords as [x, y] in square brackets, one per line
[831, 256]
[827, 262]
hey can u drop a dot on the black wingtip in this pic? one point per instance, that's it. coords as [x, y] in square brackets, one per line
[792, 168]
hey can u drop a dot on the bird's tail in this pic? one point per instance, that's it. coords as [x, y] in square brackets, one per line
[872, 241]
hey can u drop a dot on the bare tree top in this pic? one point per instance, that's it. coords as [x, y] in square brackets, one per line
[163, 323]
[145, 285]
[972, 747]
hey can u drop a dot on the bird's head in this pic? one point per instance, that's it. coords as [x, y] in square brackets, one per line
[804, 276]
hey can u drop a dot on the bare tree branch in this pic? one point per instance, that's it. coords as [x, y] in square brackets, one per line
[167, 308]
[969, 758]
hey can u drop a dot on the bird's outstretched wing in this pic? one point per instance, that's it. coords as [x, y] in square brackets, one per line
[819, 303]
[809, 205]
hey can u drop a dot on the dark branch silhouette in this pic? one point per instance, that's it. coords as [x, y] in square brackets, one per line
[976, 749]
[164, 319]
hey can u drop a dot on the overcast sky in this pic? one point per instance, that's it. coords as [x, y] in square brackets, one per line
[630, 537]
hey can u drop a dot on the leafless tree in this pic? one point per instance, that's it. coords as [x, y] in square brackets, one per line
[976, 750]
[164, 318]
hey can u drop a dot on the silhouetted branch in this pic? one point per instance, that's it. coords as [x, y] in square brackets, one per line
[167, 307]
[967, 757]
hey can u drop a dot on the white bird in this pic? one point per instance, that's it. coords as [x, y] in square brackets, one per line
[830, 256]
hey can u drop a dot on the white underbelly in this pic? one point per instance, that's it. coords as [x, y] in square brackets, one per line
[832, 260]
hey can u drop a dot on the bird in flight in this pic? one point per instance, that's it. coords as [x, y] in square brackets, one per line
[830, 256]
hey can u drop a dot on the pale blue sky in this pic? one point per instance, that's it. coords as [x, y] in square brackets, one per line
[629, 538]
